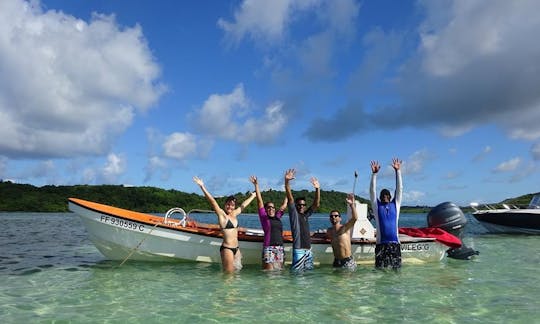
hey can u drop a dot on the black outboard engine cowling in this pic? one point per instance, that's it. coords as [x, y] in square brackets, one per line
[449, 217]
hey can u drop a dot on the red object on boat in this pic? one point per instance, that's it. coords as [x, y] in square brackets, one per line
[439, 234]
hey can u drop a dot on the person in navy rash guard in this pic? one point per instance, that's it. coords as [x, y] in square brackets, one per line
[273, 254]
[302, 256]
[386, 211]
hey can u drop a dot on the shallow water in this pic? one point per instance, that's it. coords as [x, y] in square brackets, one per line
[50, 272]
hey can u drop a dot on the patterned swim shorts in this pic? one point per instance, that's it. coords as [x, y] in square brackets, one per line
[388, 255]
[347, 263]
[274, 254]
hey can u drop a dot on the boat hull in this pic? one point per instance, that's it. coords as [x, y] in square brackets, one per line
[121, 234]
[516, 221]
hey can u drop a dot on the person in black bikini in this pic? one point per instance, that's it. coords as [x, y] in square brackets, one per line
[231, 257]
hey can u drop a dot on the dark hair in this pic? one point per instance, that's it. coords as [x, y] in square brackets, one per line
[230, 198]
[298, 199]
[385, 192]
[268, 202]
[334, 211]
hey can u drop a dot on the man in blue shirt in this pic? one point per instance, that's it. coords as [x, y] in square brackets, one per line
[386, 211]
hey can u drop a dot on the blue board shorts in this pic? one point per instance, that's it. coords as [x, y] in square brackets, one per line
[302, 260]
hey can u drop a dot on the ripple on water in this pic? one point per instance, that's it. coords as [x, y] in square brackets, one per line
[62, 277]
[26, 272]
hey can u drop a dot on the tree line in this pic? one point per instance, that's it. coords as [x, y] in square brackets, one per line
[28, 198]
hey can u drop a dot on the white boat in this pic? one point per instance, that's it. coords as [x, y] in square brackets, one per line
[510, 219]
[121, 234]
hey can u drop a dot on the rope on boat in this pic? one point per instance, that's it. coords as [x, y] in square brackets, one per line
[183, 222]
[135, 248]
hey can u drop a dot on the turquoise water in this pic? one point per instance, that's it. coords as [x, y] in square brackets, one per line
[50, 272]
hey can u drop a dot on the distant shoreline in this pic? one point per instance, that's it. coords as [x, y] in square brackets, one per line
[28, 198]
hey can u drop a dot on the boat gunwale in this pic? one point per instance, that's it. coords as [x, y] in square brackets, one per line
[213, 230]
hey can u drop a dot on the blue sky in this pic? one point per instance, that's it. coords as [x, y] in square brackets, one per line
[151, 93]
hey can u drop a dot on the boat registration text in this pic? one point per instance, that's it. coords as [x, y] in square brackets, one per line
[121, 223]
[414, 247]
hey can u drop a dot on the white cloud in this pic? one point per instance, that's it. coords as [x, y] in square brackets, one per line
[44, 169]
[524, 126]
[341, 15]
[157, 164]
[263, 21]
[114, 167]
[485, 151]
[180, 146]
[473, 30]
[413, 197]
[89, 175]
[416, 162]
[535, 151]
[217, 115]
[507, 166]
[233, 117]
[452, 175]
[258, 19]
[266, 128]
[524, 172]
[3, 162]
[315, 54]
[76, 87]
[476, 64]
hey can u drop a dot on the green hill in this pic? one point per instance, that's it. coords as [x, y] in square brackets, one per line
[28, 198]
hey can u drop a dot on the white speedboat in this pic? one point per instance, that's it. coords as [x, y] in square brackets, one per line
[510, 219]
[121, 234]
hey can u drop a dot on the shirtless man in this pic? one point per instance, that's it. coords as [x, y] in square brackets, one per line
[340, 236]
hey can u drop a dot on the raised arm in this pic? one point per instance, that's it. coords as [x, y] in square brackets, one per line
[354, 215]
[260, 202]
[375, 167]
[209, 197]
[396, 164]
[284, 204]
[289, 175]
[317, 200]
[245, 203]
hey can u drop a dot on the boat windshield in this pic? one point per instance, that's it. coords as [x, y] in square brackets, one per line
[535, 202]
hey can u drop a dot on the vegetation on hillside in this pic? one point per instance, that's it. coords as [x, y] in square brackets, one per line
[28, 198]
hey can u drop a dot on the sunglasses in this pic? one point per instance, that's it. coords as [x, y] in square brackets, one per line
[300, 204]
[334, 216]
[270, 207]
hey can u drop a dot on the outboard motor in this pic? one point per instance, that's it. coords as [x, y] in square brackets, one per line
[449, 217]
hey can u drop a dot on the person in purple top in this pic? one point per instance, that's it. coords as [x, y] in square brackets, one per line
[273, 255]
